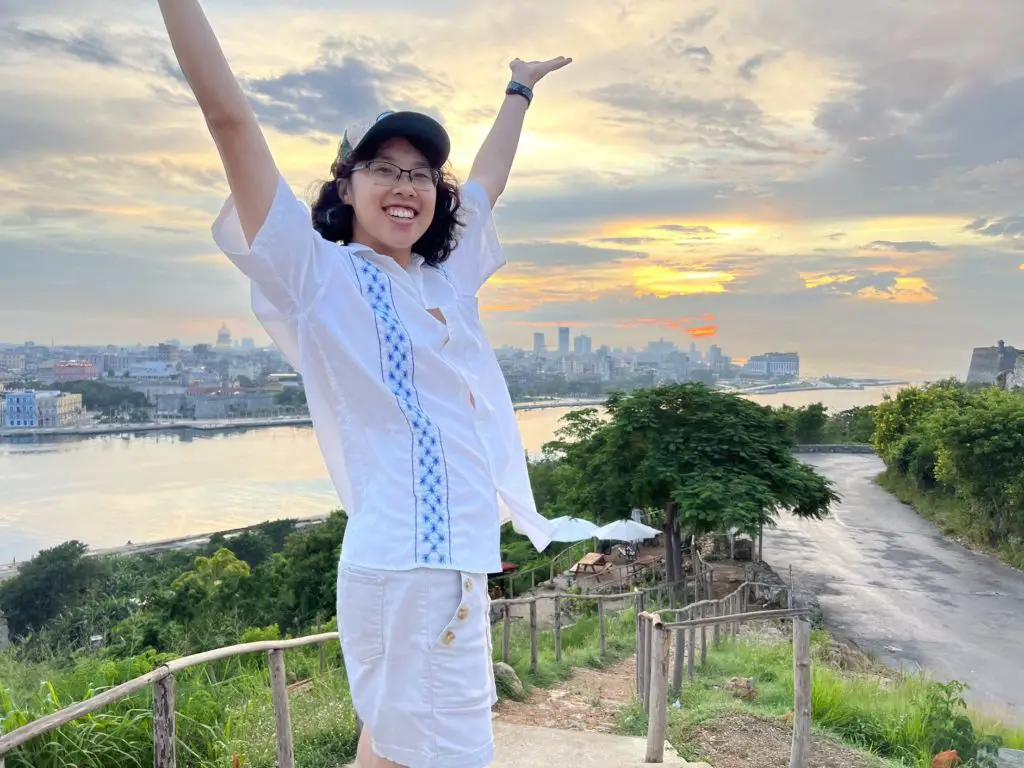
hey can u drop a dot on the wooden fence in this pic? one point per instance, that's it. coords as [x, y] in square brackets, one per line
[658, 594]
[162, 678]
[654, 653]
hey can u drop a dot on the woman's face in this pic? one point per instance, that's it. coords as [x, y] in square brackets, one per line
[393, 207]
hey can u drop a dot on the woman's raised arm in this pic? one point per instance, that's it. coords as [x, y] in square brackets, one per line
[250, 168]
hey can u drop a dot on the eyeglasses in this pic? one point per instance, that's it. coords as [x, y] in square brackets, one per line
[388, 174]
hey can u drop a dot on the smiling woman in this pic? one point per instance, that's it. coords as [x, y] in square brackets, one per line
[372, 297]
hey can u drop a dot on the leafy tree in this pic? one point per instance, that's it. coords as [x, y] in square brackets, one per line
[712, 461]
[55, 580]
[808, 423]
[854, 425]
[98, 396]
[307, 572]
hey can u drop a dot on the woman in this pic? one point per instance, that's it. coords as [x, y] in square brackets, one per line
[373, 300]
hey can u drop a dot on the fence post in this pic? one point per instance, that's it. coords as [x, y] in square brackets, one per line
[533, 635]
[164, 743]
[648, 625]
[558, 628]
[703, 637]
[506, 632]
[800, 752]
[282, 719]
[716, 633]
[323, 657]
[692, 644]
[601, 626]
[677, 663]
[657, 721]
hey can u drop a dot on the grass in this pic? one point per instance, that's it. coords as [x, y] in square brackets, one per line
[225, 709]
[951, 516]
[879, 714]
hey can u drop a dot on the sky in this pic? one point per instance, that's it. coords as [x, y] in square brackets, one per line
[840, 179]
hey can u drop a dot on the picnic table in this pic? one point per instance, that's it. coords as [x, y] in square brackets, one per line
[592, 562]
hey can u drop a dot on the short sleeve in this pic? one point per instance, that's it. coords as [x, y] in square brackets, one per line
[478, 254]
[286, 260]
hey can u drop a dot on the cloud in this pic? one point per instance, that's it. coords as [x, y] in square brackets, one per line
[904, 290]
[748, 69]
[699, 21]
[913, 246]
[1006, 226]
[549, 254]
[88, 46]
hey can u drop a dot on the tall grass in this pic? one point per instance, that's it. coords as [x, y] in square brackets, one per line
[892, 717]
[225, 709]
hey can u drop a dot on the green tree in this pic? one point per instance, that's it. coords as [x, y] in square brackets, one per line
[808, 423]
[307, 572]
[712, 461]
[55, 580]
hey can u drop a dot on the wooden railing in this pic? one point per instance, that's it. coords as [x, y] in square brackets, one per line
[162, 680]
[660, 594]
[655, 650]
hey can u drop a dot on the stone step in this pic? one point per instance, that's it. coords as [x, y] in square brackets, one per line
[527, 746]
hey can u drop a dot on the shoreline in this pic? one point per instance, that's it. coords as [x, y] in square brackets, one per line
[9, 570]
[227, 425]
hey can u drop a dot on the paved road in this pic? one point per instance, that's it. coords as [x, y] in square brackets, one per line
[888, 581]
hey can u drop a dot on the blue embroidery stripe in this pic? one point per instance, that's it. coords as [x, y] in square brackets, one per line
[432, 544]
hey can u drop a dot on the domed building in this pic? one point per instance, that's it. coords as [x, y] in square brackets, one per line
[223, 337]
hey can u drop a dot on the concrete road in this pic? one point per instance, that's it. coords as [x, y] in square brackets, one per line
[890, 582]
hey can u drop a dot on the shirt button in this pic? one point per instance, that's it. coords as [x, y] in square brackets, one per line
[463, 613]
[469, 585]
[449, 638]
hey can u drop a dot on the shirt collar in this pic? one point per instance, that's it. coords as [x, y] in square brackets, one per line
[415, 263]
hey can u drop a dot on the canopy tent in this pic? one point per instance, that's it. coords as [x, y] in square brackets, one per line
[626, 530]
[573, 529]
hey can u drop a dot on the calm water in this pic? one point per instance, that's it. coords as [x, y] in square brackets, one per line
[109, 490]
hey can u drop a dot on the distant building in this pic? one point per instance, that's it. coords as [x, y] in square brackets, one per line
[12, 363]
[539, 344]
[987, 361]
[563, 341]
[775, 364]
[75, 370]
[582, 345]
[154, 369]
[31, 408]
[224, 338]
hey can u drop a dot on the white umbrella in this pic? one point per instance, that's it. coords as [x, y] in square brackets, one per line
[573, 529]
[626, 530]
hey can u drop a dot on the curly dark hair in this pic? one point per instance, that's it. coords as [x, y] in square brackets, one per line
[334, 219]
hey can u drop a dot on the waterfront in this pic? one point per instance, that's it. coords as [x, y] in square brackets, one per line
[111, 489]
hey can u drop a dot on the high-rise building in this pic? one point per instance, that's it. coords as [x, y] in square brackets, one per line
[582, 345]
[539, 345]
[563, 340]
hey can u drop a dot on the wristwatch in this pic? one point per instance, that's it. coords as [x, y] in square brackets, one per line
[520, 89]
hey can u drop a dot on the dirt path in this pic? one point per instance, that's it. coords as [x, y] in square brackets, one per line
[590, 700]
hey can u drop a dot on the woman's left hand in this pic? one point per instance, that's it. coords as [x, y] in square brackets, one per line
[529, 73]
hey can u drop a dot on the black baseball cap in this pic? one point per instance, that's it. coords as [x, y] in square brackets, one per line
[422, 131]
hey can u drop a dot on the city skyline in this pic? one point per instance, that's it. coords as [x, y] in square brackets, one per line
[837, 179]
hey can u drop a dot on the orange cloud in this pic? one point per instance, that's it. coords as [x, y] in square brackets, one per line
[905, 290]
[665, 281]
[681, 324]
[818, 279]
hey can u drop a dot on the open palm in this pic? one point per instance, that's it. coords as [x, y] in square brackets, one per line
[530, 72]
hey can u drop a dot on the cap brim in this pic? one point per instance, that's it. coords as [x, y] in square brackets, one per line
[423, 132]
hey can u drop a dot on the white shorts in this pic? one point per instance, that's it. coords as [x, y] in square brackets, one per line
[417, 651]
